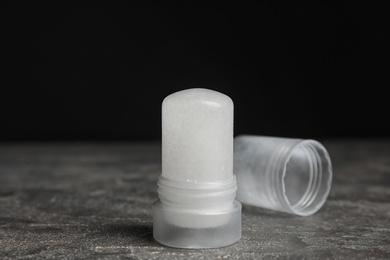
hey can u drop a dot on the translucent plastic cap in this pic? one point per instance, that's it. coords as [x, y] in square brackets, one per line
[283, 174]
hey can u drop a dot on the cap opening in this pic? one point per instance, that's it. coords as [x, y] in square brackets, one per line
[307, 177]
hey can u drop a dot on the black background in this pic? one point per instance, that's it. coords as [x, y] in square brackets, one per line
[313, 70]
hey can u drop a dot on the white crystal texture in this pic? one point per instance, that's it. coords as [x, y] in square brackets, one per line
[197, 136]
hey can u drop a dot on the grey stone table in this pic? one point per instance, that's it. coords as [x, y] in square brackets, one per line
[93, 201]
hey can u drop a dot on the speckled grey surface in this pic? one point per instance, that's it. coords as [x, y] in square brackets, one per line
[93, 201]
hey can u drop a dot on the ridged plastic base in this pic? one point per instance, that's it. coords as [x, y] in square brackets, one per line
[194, 229]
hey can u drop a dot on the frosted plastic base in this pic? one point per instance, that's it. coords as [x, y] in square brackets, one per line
[209, 229]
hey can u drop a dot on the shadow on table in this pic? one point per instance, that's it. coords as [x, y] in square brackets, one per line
[261, 212]
[141, 233]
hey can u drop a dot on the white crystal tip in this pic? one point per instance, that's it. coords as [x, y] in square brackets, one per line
[198, 96]
[197, 136]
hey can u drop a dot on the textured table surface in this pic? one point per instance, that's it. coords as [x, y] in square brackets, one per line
[93, 201]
